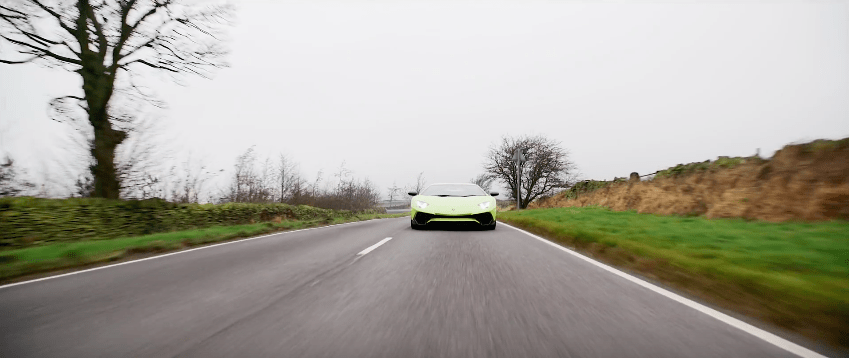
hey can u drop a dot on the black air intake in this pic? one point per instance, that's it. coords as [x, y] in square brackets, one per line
[482, 218]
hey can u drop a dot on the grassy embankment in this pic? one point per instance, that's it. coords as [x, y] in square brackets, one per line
[791, 274]
[806, 182]
[45, 235]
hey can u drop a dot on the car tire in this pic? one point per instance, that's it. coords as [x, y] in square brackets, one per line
[489, 227]
[415, 226]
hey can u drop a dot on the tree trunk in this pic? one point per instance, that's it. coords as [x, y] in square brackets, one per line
[106, 183]
[98, 88]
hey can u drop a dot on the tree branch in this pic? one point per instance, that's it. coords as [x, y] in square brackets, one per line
[149, 13]
[70, 30]
[98, 30]
[43, 51]
[127, 30]
[19, 62]
[143, 62]
[41, 40]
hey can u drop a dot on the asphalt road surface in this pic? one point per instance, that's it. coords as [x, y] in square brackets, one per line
[348, 291]
[397, 211]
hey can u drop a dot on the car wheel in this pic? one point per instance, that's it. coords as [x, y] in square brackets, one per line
[415, 226]
[490, 227]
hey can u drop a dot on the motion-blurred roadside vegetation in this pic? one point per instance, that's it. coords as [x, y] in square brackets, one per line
[255, 192]
[27, 221]
[68, 254]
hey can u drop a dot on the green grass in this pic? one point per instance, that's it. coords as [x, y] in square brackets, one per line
[63, 255]
[798, 266]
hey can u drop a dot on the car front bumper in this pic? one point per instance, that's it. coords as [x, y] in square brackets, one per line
[423, 217]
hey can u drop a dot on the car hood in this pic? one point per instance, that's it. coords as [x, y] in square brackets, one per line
[453, 205]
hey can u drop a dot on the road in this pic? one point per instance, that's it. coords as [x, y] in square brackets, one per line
[334, 292]
[397, 211]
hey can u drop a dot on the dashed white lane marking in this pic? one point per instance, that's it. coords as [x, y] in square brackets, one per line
[176, 253]
[736, 323]
[372, 247]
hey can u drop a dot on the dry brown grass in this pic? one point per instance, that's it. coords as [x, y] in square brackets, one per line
[801, 182]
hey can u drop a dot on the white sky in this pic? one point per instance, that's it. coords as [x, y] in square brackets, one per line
[396, 88]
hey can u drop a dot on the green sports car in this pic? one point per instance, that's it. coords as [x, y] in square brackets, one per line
[452, 203]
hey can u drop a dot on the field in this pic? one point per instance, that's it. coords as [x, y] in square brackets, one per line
[791, 274]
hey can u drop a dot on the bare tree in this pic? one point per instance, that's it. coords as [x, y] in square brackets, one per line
[243, 177]
[281, 182]
[393, 191]
[484, 181]
[314, 188]
[259, 185]
[105, 42]
[286, 178]
[250, 185]
[267, 182]
[364, 195]
[547, 166]
[141, 161]
[300, 188]
[341, 175]
[186, 184]
[10, 182]
[83, 187]
[419, 185]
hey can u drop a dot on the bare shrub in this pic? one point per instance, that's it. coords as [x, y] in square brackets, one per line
[266, 182]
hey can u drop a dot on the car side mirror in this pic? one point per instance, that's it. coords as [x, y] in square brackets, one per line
[412, 193]
[493, 193]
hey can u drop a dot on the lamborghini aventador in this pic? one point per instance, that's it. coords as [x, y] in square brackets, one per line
[460, 203]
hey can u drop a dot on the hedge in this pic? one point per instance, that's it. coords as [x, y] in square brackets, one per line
[26, 221]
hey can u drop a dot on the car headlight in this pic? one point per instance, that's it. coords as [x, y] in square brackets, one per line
[485, 205]
[421, 204]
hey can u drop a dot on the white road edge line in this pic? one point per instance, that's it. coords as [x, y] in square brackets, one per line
[175, 253]
[736, 323]
[372, 247]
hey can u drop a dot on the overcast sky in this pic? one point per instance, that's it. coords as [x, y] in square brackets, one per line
[398, 88]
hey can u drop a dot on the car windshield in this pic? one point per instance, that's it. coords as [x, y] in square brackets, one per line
[459, 190]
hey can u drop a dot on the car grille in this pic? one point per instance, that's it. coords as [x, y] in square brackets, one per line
[483, 218]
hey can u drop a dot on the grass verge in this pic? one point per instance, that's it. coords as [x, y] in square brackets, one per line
[60, 256]
[794, 275]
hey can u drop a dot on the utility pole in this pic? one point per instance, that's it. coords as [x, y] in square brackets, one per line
[518, 157]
